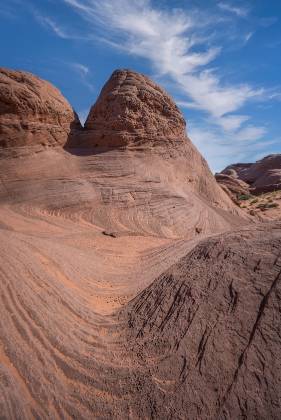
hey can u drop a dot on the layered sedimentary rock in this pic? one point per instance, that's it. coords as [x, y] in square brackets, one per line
[266, 174]
[261, 176]
[135, 115]
[88, 329]
[33, 112]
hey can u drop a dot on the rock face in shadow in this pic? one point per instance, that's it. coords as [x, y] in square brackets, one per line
[207, 333]
[262, 176]
[33, 112]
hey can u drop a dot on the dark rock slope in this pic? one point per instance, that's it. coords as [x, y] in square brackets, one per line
[208, 332]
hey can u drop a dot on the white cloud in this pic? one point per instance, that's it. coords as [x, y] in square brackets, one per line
[171, 41]
[81, 69]
[58, 29]
[222, 149]
[238, 11]
[84, 72]
[51, 24]
[232, 122]
[207, 92]
[251, 133]
[248, 36]
[180, 47]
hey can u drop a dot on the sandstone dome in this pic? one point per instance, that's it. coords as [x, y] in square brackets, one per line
[132, 111]
[33, 112]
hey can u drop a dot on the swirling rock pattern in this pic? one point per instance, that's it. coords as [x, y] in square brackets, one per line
[85, 329]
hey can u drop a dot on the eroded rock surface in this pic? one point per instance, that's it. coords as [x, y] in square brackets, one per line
[133, 111]
[262, 176]
[33, 112]
[233, 186]
[207, 333]
[85, 329]
[135, 115]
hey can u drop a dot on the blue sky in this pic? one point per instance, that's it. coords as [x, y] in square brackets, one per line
[219, 59]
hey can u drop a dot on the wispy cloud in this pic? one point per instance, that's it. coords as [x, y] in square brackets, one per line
[251, 133]
[232, 122]
[57, 28]
[181, 49]
[222, 149]
[248, 36]
[81, 69]
[238, 11]
[84, 72]
[51, 24]
[172, 42]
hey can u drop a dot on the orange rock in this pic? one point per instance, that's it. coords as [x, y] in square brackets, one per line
[33, 112]
[132, 111]
[262, 176]
[233, 186]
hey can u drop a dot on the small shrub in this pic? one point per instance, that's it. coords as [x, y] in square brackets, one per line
[244, 197]
[256, 200]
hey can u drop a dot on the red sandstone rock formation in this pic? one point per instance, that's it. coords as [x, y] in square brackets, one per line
[261, 176]
[87, 326]
[233, 186]
[132, 111]
[134, 114]
[33, 112]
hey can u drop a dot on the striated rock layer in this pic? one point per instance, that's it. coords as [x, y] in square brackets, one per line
[201, 342]
[233, 186]
[85, 329]
[136, 116]
[33, 112]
